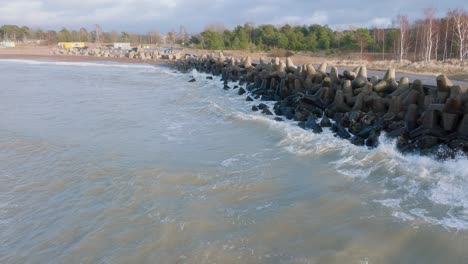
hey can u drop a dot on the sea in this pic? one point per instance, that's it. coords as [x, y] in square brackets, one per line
[108, 162]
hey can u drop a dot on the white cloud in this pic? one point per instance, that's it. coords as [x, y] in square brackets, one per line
[319, 17]
[381, 22]
[164, 15]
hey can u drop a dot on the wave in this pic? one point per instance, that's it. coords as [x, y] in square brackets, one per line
[408, 183]
[107, 64]
[414, 188]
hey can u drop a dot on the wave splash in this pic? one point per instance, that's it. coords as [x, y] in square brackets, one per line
[415, 188]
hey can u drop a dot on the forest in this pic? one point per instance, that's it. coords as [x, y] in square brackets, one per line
[424, 39]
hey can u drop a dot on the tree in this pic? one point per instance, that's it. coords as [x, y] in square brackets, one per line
[404, 26]
[460, 29]
[311, 42]
[171, 38]
[216, 27]
[430, 32]
[64, 35]
[124, 37]
[212, 40]
[363, 38]
[155, 37]
[83, 35]
[97, 32]
[281, 40]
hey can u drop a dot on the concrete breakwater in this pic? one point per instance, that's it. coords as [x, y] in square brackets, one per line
[423, 118]
[108, 52]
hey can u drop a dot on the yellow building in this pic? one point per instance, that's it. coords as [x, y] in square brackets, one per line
[70, 45]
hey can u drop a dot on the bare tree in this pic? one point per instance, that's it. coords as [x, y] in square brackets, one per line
[217, 27]
[155, 37]
[430, 32]
[446, 29]
[459, 18]
[437, 28]
[171, 38]
[403, 22]
[83, 34]
[183, 34]
[98, 32]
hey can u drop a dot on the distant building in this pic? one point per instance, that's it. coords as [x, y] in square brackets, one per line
[7, 44]
[70, 45]
[122, 45]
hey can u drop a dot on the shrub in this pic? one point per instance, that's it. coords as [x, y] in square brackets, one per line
[281, 53]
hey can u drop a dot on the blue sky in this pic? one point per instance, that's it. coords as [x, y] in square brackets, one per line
[166, 15]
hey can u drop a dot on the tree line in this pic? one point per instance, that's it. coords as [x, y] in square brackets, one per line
[428, 38]
[24, 33]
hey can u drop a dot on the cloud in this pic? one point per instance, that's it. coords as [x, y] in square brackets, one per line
[381, 22]
[166, 15]
[319, 17]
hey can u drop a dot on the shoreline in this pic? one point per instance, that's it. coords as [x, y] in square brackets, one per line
[424, 119]
[77, 58]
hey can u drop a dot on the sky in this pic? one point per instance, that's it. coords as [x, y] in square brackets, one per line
[143, 16]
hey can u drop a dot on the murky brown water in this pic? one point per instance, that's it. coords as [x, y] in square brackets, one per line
[115, 163]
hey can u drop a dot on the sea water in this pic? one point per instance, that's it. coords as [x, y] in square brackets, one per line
[131, 163]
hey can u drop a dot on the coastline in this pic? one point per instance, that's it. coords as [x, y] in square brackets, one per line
[44, 54]
[424, 119]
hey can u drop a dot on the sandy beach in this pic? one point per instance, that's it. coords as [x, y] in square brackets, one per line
[44, 53]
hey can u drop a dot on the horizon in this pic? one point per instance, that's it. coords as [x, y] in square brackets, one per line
[167, 16]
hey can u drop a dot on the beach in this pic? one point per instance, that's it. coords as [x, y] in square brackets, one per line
[45, 53]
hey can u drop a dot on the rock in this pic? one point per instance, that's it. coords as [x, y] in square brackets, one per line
[262, 106]
[209, 77]
[288, 112]
[396, 132]
[426, 142]
[341, 132]
[358, 141]
[247, 63]
[311, 124]
[335, 79]
[325, 122]
[443, 83]
[421, 117]
[323, 68]
[279, 119]
[449, 121]
[372, 141]
[267, 111]
[463, 126]
[458, 144]
[350, 75]
[361, 78]
[241, 91]
[388, 83]
[290, 65]
[192, 80]
[369, 131]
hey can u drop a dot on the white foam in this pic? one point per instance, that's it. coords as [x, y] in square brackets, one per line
[229, 162]
[407, 183]
[79, 64]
